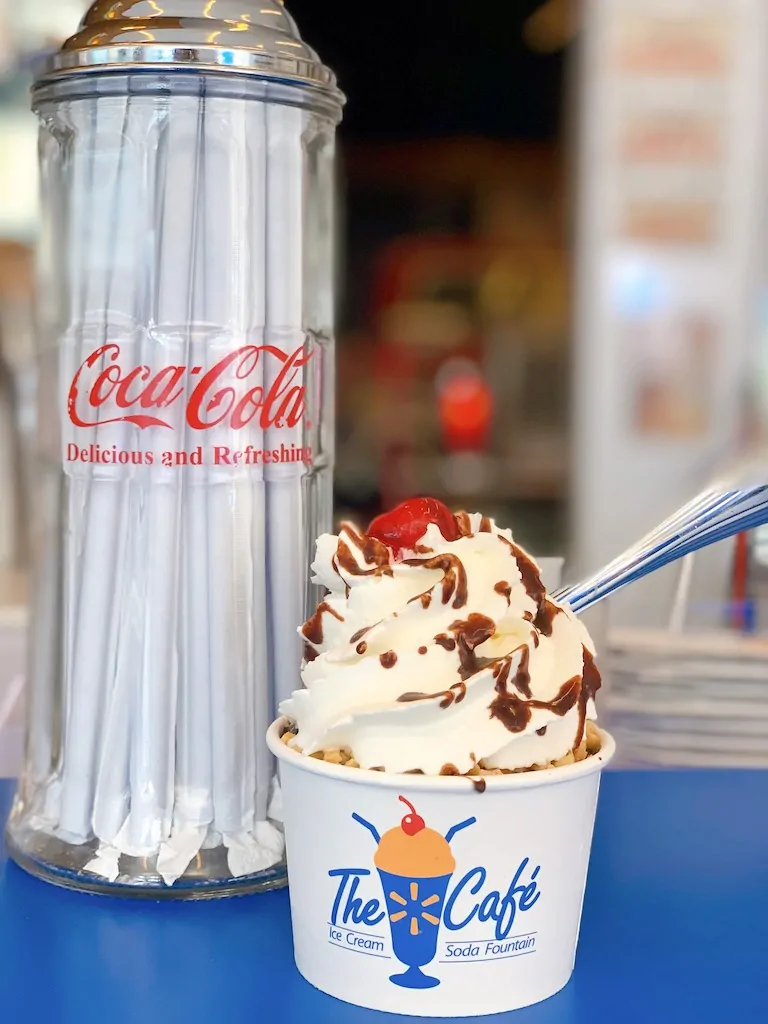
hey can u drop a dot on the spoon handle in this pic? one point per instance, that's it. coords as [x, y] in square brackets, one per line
[712, 516]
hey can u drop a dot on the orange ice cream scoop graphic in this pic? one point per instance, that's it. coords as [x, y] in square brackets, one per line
[415, 865]
[414, 850]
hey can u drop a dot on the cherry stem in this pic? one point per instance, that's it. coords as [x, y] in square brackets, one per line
[408, 804]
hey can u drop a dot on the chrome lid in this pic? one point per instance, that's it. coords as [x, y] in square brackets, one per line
[256, 37]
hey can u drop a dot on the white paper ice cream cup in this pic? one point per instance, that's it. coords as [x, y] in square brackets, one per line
[496, 933]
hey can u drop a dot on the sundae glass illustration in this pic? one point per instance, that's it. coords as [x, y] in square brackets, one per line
[415, 865]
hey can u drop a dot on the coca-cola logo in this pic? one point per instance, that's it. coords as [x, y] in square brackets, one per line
[223, 395]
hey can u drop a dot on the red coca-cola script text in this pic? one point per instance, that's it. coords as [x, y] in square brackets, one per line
[225, 395]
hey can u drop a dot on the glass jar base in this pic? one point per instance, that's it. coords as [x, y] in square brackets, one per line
[63, 864]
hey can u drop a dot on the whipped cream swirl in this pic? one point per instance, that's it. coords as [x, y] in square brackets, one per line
[442, 657]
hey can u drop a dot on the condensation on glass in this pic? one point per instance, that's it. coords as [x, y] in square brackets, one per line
[185, 442]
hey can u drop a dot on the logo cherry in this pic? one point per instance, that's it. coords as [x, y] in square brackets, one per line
[405, 525]
[411, 823]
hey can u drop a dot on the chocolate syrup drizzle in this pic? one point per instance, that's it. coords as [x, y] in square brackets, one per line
[529, 573]
[310, 653]
[463, 524]
[454, 577]
[590, 684]
[546, 610]
[454, 695]
[523, 674]
[545, 617]
[374, 552]
[513, 704]
[468, 634]
[515, 714]
[471, 633]
[312, 630]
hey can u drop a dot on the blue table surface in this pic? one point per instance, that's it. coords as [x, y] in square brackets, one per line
[675, 929]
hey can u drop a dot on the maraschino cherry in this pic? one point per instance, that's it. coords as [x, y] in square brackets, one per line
[412, 823]
[405, 525]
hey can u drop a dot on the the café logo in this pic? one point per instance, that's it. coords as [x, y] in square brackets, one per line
[416, 868]
[259, 384]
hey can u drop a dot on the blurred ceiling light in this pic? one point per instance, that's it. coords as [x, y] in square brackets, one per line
[552, 26]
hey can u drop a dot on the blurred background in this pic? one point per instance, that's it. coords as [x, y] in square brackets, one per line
[553, 307]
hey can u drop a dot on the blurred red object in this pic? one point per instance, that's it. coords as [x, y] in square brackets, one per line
[740, 617]
[465, 408]
[458, 320]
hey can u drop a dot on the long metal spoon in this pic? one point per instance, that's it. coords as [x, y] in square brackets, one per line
[727, 507]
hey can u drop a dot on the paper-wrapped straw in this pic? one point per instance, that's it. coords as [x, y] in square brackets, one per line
[235, 295]
[227, 498]
[153, 747]
[255, 155]
[319, 315]
[265, 847]
[157, 561]
[44, 648]
[181, 268]
[112, 795]
[47, 638]
[127, 294]
[286, 529]
[193, 806]
[77, 180]
[79, 234]
[153, 718]
[94, 566]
